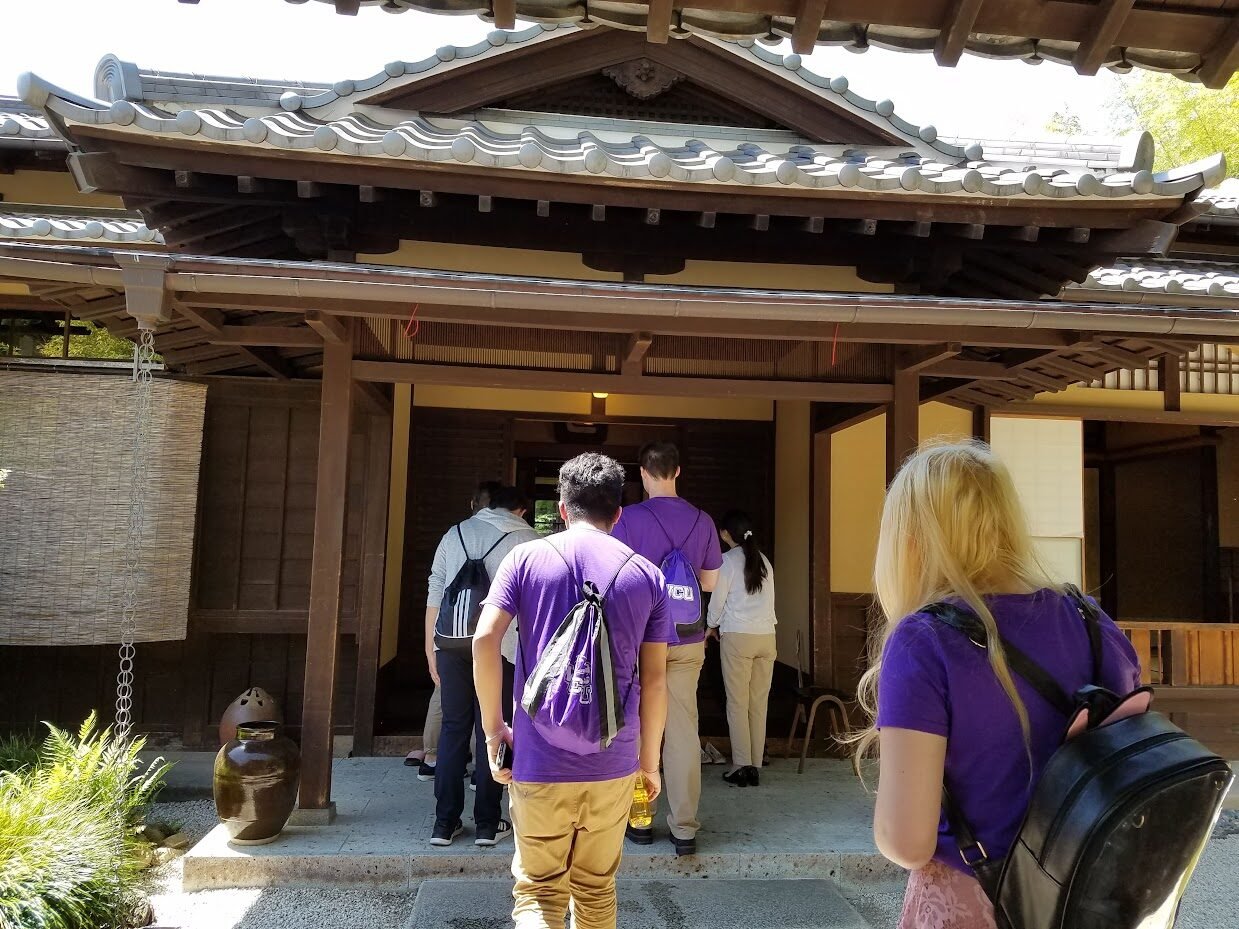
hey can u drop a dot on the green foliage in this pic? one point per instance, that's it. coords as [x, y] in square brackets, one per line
[96, 344]
[1187, 121]
[70, 855]
[1065, 122]
[21, 750]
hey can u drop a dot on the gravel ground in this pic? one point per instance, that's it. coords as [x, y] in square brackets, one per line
[1211, 901]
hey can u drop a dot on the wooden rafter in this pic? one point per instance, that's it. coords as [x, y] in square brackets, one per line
[955, 31]
[634, 357]
[917, 360]
[809, 16]
[328, 327]
[1221, 61]
[658, 20]
[1111, 14]
[505, 13]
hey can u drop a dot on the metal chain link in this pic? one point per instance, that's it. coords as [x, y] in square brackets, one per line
[143, 360]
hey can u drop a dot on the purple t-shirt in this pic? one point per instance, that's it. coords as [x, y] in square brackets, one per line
[534, 583]
[682, 525]
[935, 680]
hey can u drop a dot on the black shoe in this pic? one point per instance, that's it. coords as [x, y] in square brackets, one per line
[638, 836]
[493, 835]
[752, 776]
[684, 846]
[444, 833]
[425, 772]
[737, 778]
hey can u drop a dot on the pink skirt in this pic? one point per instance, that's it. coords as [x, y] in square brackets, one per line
[940, 897]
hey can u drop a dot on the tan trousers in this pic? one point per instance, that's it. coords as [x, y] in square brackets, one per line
[748, 665]
[682, 743]
[569, 841]
[434, 723]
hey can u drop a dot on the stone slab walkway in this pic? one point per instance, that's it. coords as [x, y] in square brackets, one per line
[815, 825]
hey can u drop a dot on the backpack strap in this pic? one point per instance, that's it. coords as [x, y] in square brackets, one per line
[1037, 677]
[1092, 624]
[498, 542]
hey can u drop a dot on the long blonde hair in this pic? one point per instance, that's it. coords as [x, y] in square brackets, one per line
[952, 527]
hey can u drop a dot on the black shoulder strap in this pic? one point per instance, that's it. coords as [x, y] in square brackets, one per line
[1037, 677]
[1092, 623]
[498, 541]
[463, 547]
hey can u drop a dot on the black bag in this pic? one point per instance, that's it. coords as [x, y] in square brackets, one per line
[1119, 817]
[461, 607]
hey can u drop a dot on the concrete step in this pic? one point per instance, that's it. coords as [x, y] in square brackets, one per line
[654, 904]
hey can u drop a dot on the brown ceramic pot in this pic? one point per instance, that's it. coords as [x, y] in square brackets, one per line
[256, 777]
[252, 706]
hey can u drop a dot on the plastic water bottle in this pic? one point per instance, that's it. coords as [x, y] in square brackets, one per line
[641, 816]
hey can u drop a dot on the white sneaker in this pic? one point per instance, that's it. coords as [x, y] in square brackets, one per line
[502, 831]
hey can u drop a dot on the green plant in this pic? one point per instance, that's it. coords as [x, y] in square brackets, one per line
[70, 855]
[20, 750]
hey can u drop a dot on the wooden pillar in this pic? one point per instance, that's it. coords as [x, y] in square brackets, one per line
[323, 635]
[902, 421]
[821, 629]
[1168, 381]
[1211, 545]
[980, 423]
[373, 562]
[1108, 541]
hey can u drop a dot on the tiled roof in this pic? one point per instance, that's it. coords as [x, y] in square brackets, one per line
[1198, 278]
[21, 124]
[543, 146]
[1223, 200]
[76, 228]
[857, 36]
[123, 80]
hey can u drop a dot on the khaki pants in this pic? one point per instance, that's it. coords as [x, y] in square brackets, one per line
[569, 841]
[434, 723]
[748, 665]
[682, 743]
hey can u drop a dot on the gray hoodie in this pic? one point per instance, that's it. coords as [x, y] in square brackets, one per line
[480, 532]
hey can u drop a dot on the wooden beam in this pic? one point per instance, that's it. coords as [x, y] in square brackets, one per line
[1168, 381]
[760, 222]
[821, 626]
[634, 358]
[323, 631]
[348, 7]
[205, 318]
[1122, 357]
[918, 359]
[862, 226]
[427, 198]
[653, 216]
[707, 220]
[371, 399]
[370, 599]
[544, 208]
[658, 20]
[1221, 61]
[1107, 24]
[956, 28]
[902, 421]
[367, 193]
[275, 336]
[809, 18]
[505, 13]
[309, 190]
[970, 370]
[396, 372]
[268, 360]
[328, 327]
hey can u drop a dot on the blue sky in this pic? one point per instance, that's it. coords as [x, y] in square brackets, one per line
[62, 40]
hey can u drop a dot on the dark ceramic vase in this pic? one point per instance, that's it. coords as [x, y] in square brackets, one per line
[256, 777]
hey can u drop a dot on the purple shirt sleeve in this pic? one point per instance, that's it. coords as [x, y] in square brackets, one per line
[620, 530]
[660, 628]
[505, 588]
[912, 685]
[709, 549]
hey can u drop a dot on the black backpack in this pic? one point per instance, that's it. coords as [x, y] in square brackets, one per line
[1118, 818]
[461, 607]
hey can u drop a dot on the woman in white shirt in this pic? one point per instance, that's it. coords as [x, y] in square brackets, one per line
[742, 614]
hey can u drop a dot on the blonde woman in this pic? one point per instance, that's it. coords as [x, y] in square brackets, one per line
[742, 611]
[946, 711]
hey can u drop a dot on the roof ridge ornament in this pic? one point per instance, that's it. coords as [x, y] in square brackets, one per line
[643, 78]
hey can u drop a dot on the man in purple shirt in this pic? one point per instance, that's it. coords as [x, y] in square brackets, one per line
[666, 521]
[569, 810]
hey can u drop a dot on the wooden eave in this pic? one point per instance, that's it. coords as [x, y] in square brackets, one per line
[245, 318]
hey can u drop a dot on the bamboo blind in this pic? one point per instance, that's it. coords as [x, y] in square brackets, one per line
[66, 450]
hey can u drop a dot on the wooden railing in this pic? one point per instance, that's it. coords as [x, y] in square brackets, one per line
[1186, 654]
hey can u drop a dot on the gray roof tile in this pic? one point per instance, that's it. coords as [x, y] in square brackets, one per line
[1199, 278]
[76, 228]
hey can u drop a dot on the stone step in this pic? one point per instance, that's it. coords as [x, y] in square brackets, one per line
[654, 904]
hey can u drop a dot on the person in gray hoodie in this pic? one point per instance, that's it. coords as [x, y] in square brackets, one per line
[492, 531]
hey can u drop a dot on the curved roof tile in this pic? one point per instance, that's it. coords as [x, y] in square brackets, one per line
[76, 228]
[19, 121]
[1199, 278]
[542, 148]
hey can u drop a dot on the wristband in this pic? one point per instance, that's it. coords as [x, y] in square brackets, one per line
[494, 738]
[643, 771]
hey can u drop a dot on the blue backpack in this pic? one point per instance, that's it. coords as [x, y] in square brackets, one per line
[571, 695]
[683, 588]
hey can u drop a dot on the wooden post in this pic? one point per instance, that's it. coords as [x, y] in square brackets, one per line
[1211, 546]
[902, 421]
[1108, 541]
[323, 635]
[980, 423]
[373, 562]
[1168, 381]
[821, 630]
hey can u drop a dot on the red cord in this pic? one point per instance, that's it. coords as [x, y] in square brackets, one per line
[414, 324]
[834, 346]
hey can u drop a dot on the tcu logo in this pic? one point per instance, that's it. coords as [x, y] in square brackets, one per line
[681, 592]
[581, 683]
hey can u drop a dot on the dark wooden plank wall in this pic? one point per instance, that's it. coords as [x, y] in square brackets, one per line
[251, 583]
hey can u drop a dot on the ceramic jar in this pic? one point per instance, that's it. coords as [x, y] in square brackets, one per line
[256, 777]
[253, 705]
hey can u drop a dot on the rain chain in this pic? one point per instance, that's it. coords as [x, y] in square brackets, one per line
[143, 360]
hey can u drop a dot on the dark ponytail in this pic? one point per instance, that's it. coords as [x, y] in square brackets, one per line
[740, 527]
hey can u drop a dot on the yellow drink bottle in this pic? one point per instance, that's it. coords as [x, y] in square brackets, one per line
[641, 816]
